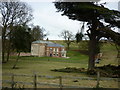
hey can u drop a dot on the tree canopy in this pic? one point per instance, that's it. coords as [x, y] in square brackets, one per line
[38, 33]
[86, 11]
[78, 37]
[96, 15]
[13, 13]
[67, 36]
[21, 39]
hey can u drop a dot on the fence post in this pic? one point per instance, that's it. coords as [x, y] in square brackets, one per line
[12, 84]
[35, 81]
[98, 79]
[60, 83]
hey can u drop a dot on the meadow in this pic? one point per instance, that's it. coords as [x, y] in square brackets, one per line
[44, 65]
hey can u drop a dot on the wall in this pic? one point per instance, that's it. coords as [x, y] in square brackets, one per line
[55, 51]
[38, 49]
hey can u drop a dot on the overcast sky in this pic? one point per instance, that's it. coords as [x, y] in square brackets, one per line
[45, 15]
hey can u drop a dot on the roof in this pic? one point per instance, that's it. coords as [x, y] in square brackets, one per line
[54, 45]
[49, 44]
[40, 41]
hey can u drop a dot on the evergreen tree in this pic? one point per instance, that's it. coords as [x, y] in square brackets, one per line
[92, 13]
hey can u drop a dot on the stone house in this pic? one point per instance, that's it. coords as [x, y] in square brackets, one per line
[46, 48]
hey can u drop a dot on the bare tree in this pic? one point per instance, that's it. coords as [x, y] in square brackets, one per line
[67, 36]
[13, 13]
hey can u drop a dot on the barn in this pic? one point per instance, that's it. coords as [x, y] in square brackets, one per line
[46, 48]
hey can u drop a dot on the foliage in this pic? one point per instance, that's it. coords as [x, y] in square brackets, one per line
[13, 13]
[38, 33]
[79, 11]
[21, 39]
[47, 39]
[78, 37]
[95, 15]
[110, 35]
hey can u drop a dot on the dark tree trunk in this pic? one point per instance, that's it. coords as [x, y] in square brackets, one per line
[68, 45]
[8, 51]
[14, 66]
[3, 43]
[92, 52]
[3, 49]
[93, 44]
[9, 45]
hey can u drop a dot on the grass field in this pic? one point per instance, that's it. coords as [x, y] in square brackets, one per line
[44, 65]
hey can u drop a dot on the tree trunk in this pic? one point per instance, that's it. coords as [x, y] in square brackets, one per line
[68, 45]
[9, 43]
[14, 66]
[93, 44]
[3, 43]
[8, 51]
[92, 49]
[3, 49]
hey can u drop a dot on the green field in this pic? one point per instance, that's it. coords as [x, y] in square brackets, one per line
[44, 65]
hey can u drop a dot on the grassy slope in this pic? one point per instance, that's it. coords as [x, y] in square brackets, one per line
[41, 65]
[109, 55]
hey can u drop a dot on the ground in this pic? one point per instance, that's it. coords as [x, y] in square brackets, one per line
[44, 65]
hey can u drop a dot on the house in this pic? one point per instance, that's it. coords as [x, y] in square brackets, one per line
[46, 48]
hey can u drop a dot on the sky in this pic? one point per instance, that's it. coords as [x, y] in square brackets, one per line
[45, 15]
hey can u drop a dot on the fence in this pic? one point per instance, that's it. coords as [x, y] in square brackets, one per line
[60, 84]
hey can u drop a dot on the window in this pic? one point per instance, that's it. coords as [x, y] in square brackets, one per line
[54, 49]
[54, 54]
[50, 49]
[57, 49]
[57, 54]
[50, 54]
[62, 55]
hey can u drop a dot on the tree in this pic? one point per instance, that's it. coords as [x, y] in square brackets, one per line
[38, 33]
[92, 13]
[78, 37]
[67, 36]
[47, 39]
[13, 13]
[21, 40]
